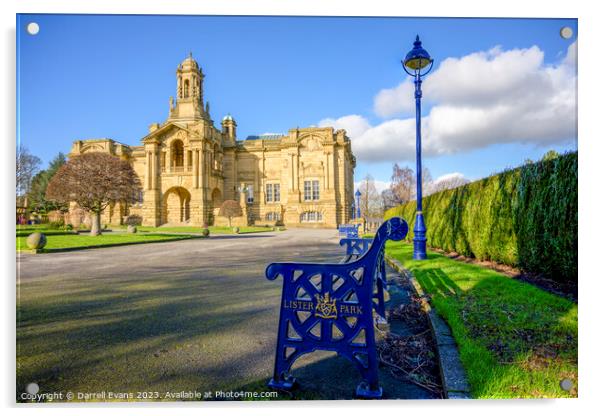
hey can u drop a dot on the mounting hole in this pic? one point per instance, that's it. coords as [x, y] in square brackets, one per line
[33, 28]
[566, 384]
[566, 32]
[32, 388]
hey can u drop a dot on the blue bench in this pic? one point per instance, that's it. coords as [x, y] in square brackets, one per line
[354, 249]
[349, 230]
[329, 307]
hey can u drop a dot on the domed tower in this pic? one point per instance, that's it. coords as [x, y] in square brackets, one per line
[229, 130]
[189, 94]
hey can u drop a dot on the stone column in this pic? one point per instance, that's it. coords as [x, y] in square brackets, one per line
[327, 171]
[202, 167]
[195, 168]
[293, 172]
[296, 170]
[203, 182]
[168, 160]
[147, 180]
[157, 166]
[153, 170]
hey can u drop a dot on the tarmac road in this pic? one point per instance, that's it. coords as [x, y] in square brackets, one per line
[186, 316]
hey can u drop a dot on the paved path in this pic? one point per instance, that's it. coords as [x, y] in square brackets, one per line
[170, 317]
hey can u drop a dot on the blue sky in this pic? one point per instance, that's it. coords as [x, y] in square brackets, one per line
[89, 76]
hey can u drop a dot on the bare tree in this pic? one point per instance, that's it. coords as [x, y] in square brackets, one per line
[446, 182]
[403, 184]
[26, 166]
[371, 202]
[389, 198]
[230, 209]
[427, 180]
[93, 181]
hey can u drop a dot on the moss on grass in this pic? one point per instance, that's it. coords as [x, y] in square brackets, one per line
[515, 340]
[198, 230]
[60, 242]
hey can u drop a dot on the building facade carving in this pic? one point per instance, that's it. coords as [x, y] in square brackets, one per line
[188, 167]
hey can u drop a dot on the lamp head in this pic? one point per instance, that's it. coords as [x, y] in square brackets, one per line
[418, 58]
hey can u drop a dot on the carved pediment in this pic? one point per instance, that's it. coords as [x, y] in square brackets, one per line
[272, 174]
[92, 148]
[312, 169]
[172, 131]
[311, 143]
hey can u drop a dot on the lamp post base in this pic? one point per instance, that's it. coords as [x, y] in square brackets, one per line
[419, 238]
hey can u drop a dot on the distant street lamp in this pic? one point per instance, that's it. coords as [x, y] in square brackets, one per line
[414, 64]
[358, 211]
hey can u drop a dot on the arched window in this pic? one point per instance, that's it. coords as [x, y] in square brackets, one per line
[311, 216]
[186, 88]
[177, 153]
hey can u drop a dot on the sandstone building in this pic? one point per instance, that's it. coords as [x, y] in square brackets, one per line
[188, 167]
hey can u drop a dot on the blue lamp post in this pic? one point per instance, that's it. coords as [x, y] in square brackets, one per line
[358, 211]
[417, 64]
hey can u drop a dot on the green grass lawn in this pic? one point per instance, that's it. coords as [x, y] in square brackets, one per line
[25, 233]
[515, 340]
[212, 229]
[65, 240]
[73, 241]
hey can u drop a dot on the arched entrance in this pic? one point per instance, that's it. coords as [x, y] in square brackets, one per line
[216, 203]
[216, 198]
[176, 205]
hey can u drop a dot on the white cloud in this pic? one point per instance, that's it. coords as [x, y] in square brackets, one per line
[396, 100]
[479, 99]
[446, 181]
[354, 124]
[450, 177]
[379, 185]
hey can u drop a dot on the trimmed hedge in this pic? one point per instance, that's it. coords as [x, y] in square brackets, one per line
[525, 217]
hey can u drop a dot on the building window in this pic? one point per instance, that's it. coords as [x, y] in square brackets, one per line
[315, 190]
[177, 153]
[272, 192]
[250, 198]
[311, 190]
[311, 216]
[186, 88]
[307, 190]
[272, 216]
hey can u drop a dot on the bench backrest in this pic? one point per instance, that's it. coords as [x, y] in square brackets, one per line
[328, 306]
[354, 249]
[349, 230]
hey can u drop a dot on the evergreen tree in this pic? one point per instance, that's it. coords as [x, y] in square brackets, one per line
[39, 183]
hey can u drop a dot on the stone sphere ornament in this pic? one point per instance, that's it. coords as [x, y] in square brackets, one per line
[132, 229]
[205, 232]
[236, 230]
[36, 241]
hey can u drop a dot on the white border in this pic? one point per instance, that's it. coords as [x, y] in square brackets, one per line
[590, 139]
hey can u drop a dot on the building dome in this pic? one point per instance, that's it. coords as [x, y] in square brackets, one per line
[189, 62]
[228, 117]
